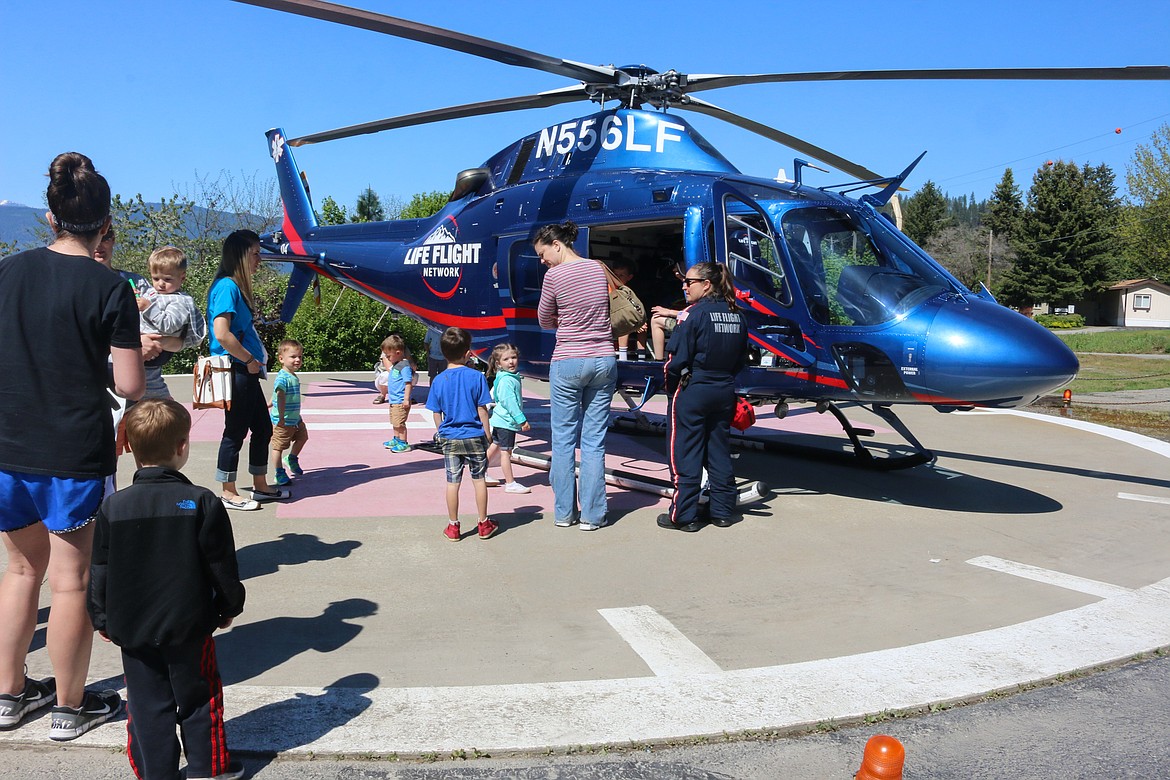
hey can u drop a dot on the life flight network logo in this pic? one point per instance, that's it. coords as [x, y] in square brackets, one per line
[442, 257]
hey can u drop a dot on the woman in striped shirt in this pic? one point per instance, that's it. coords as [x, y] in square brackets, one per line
[574, 301]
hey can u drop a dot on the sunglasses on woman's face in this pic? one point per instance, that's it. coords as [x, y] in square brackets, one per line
[688, 282]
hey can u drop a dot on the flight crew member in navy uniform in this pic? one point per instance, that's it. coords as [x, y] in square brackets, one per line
[707, 349]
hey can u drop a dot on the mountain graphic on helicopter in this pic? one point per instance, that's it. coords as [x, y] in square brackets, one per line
[842, 307]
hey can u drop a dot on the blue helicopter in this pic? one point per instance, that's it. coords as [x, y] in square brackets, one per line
[842, 307]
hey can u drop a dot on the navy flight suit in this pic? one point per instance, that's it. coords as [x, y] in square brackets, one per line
[707, 349]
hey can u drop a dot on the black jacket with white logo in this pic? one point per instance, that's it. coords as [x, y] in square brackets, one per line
[164, 566]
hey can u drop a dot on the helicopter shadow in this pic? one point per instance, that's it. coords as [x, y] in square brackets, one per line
[257, 560]
[249, 650]
[831, 471]
[304, 719]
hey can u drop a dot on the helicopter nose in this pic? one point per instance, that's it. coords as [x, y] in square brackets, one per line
[981, 352]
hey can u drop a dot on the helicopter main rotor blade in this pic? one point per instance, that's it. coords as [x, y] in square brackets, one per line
[701, 82]
[541, 100]
[437, 36]
[791, 141]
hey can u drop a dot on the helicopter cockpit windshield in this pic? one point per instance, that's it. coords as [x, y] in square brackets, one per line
[853, 270]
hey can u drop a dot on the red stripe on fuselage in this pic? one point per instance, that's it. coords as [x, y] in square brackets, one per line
[486, 322]
[295, 242]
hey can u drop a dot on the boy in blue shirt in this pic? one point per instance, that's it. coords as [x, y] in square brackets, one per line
[459, 397]
[288, 429]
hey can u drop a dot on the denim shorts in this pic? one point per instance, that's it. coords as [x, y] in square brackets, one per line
[505, 438]
[62, 504]
[471, 451]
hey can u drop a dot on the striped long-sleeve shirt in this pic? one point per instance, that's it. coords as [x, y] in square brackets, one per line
[575, 301]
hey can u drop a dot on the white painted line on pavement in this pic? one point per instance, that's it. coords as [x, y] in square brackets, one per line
[1139, 497]
[534, 716]
[1049, 577]
[1136, 439]
[662, 646]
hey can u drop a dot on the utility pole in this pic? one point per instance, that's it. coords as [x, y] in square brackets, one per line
[990, 234]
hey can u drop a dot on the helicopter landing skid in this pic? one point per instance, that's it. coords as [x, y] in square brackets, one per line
[861, 455]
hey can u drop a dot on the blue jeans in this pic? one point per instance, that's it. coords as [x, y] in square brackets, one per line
[580, 393]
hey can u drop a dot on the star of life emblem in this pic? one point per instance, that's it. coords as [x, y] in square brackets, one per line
[277, 147]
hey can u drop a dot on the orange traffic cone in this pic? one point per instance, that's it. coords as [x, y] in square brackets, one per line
[882, 760]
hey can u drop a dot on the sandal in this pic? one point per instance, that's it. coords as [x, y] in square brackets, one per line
[380, 399]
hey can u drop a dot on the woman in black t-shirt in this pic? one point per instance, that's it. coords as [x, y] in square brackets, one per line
[57, 441]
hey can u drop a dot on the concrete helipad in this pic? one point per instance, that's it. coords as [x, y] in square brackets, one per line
[1035, 546]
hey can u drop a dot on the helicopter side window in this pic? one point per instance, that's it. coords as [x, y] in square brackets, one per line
[752, 255]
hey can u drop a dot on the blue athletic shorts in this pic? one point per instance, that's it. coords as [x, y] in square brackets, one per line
[63, 505]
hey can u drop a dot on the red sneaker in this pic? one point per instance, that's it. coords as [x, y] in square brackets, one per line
[452, 531]
[487, 528]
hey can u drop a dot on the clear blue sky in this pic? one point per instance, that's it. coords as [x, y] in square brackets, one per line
[160, 93]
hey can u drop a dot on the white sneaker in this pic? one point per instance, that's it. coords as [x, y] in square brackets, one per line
[516, 487]
[602, 523]
[492, 482]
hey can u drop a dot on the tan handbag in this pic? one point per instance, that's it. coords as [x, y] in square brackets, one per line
[213, 383]
[626, 312]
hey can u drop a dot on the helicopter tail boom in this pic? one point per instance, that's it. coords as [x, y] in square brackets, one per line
[299, 217]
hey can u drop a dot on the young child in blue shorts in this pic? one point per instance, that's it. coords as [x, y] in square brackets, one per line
[459, 397]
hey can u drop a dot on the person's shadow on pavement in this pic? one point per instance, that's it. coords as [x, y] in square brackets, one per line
[262, 558]
[251, 649]
[300, 720]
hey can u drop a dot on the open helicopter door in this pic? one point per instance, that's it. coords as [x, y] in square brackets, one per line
[745, 241]
[520, 274]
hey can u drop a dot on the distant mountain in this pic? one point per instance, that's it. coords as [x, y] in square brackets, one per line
[19, 224]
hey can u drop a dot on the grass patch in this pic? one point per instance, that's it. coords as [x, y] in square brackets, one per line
[1110, 373]
[1143, 341]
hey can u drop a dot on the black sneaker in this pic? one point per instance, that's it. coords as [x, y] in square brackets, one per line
[96, 709]
[36, 695]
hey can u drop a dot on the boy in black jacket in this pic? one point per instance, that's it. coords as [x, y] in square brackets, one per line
[162, 579]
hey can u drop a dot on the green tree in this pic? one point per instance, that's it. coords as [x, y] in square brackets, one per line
[1006, 207]
[423, 204]
[926, 213]
[332, 213]
[369, 207]
[1066, 241]
[196, 222]
[1145, 225]
[345, 332]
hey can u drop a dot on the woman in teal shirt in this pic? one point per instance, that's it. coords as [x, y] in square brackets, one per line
[231, 310]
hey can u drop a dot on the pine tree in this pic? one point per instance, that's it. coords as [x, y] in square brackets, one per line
[369, 207]
[1006, 207]
[1065, 239]
[926, 214]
